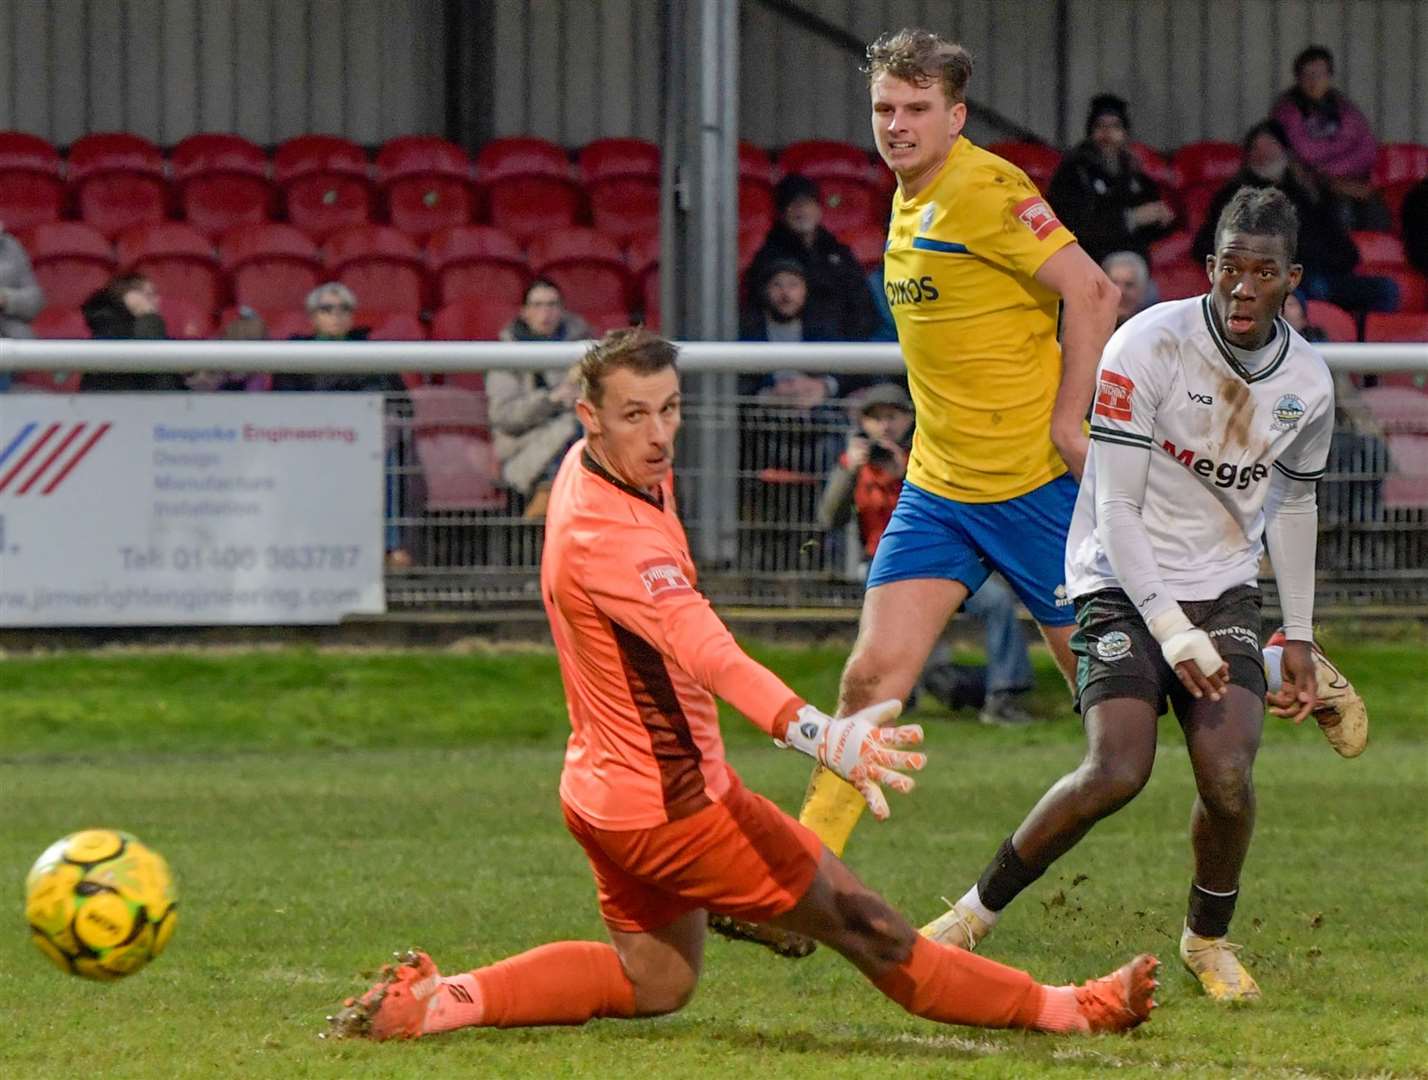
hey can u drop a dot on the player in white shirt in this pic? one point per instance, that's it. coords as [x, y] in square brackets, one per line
[1211, 425]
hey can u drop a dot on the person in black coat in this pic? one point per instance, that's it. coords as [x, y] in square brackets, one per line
[1327, 251]
[837, 294]
[1100, 193]
[331, 307]
[126, 309]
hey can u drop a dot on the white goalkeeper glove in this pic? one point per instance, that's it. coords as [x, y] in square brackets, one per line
[859, 749]
[1182, 640]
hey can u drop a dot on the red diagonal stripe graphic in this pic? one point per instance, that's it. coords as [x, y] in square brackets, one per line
[55, 453]
[29, 455]
[69, 466]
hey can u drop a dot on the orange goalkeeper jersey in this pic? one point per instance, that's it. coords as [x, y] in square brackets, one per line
[642, 654]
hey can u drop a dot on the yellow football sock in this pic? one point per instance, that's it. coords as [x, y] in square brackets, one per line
[831, 808]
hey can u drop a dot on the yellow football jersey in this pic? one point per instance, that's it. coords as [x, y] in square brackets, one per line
[978, 332]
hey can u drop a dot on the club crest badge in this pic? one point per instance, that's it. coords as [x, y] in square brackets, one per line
[925, 222]
[1113, 646]
[1288, 411]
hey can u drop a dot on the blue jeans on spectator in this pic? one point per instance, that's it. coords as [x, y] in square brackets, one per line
[1353, 292]
[1008, 665]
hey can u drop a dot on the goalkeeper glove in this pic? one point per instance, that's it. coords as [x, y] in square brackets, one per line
[859, 750]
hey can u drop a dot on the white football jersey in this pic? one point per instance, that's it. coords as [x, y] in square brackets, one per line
[1215, 421]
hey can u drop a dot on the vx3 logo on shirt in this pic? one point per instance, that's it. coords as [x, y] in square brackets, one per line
[1200, 399]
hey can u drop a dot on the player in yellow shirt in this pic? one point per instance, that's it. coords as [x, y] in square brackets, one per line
[977, 271]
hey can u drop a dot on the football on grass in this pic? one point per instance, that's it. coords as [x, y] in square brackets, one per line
[100, 904]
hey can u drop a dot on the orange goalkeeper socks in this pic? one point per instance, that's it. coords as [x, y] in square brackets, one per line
[568, 982]
[953, 986]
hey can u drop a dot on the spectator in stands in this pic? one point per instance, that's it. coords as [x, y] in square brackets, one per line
[127, 308]
[1296, 314]
[780, 310]
[1332, 137]
[21, 297]
[1131, 275]
[1326, 249]
[1099, 191]
[248, 326]
[837, 294]
[867, 480]
[1415, 225]
[533, 412]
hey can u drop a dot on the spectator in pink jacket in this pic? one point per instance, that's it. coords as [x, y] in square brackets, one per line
[1329, 134]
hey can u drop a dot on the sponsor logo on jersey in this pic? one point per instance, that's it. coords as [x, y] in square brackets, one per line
[1223, 474]
[1288, 411]
[662, 578]
[1113, 396]
[1113, 646]
[1062, 600]
[1200, 399]
[925, 222]
[1241, 634]
[1036, 216]
[911, 290]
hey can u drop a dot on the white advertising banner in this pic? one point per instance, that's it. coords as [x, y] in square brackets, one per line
[190, 509]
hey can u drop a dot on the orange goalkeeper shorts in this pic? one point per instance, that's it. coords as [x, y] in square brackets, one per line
[743, 857]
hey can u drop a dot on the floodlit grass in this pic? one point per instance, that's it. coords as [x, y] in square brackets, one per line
[321, 810]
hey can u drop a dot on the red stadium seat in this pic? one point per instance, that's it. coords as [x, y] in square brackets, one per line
[847, 204]
[1332, 319]
[642, 252]
[185, 320]
[477, 260]
[650, 308]
[1407, 486]
[1195, 201]
[501, 159]
[453, 445]
[1037, 160]
[756, 207]
[588, 266]
[1172, 249]
[215, 152]
[1210, 161]
[643, 257]
[755, 164]
[71, 261]
[290, 323]
[601, 322]
[1380, 248]
[178, 260]
[216, 203]
[28, 198]
[56, 323]
[472, 318]
[1399, 162]
[1397, 326]
[624, 206]
[115, 201]
[271, 266]
[422, 205]
[867, 244]
[321, 204]
[1156, 166]
[1412, 286]
[114, 151]
[819, 159]
[750, 240]
[51, 382]
[607, 159]
[305, 155]
[1393, 195]
[1398, 409]
[527, 205]
[390, 325]
[23, 151]
[421, 155]
[1180, 280]
[382, 265]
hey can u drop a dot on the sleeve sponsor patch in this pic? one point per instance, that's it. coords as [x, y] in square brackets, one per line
[1036, 215]
[662, 577]
[1113, 396]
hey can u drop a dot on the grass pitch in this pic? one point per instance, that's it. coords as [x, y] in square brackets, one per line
[321, 810]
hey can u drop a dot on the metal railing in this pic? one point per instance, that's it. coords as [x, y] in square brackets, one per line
[751, 471]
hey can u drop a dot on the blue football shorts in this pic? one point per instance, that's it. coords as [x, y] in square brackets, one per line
[1022, 538]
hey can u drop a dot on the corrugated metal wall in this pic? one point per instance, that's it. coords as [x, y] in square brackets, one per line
[267, 69]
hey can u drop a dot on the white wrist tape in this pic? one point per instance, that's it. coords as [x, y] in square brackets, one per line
[1182, 640]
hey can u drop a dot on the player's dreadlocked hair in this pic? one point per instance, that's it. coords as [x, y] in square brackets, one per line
[921, 58]
[635, 348]
[1261, 211]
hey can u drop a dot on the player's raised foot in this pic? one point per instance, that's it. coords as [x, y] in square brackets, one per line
[1121, 1000]
[783, 942]
[395, 1006]
[1341, 713]
[959, 926]
[1215, 962]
